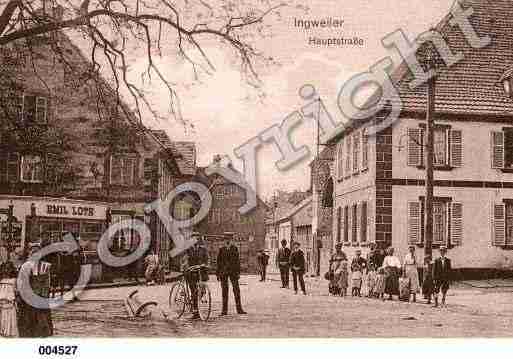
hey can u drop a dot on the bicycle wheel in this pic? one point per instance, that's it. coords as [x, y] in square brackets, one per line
[178, 299]
[204, 301]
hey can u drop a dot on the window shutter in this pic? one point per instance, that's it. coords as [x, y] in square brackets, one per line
[414, 223]
[456, 223]
[363, 222]
[358, 222]
[339, 223]
[456, 148]
[414, 147]
[365, 150]
[370, 218]
[497, 139]
[340, 159]
[499, 225]
[348, 155]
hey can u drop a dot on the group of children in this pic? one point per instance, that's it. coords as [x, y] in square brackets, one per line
[375, 281]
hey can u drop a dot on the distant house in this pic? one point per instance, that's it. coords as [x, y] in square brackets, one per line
[224, 217]
[379, 191]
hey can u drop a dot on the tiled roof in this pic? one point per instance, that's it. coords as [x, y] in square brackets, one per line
[286, 215]
[184, 152]
[187, 161]
[471, 86]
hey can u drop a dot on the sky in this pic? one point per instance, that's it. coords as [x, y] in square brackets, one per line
[226, 112]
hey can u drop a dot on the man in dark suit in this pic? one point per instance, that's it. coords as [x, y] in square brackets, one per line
[263, 260]
[282, 260]
[297, 265]
[194, 256]
[441, 275]
[228, 267]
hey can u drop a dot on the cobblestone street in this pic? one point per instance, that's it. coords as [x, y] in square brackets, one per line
[275, 312]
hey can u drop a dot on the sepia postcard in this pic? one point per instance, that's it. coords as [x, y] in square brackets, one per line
[255, 169]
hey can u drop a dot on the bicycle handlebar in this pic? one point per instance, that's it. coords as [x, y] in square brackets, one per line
[195, 268]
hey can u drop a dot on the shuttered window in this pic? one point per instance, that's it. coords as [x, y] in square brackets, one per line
[346, 224]
[348, 155]
[456, 150]
[340, 160]
[498, 224]
[447, 147]
[9, 167]
[356, 151]
[414, 147]
[497, 149]
[339, 224]
[414, 222]
[354, 223]
[365, 150]
[456, 223]
[363, 222]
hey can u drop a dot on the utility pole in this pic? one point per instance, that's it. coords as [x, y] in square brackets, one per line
[430, 112]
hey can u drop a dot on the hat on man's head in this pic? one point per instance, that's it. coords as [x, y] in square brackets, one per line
[443, 248]
[359, 251]
[338, 245]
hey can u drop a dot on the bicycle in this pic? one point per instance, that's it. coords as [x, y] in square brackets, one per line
[180, 297]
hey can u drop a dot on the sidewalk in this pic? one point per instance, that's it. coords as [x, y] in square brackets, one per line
[170, 277]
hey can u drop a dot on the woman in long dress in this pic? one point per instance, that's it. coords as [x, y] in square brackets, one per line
[336, 267]
[392, 267]
[411, 272]
[8, 318]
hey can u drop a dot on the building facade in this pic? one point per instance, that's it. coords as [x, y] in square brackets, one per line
[224, 217]
[379, 184]
[61, 143]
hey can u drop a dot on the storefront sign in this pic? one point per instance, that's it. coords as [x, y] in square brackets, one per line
[66, 210]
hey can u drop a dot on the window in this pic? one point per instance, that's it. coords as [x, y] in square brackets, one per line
[447, 222]
[346, 224]
[340, 157]
[439, 222]
[29, 108]
[447, 147]
[339, 224]
[502, 149]
[348, 156]
[354, 223]
[363, 222]
[365, 150]
[503, 224]
[440, 147]
[122, 239]
[31, 169]
[123, 170]
[356, 151]
[9, 167]
[41, 109]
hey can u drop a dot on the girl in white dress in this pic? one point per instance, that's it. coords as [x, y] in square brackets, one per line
[411, 272]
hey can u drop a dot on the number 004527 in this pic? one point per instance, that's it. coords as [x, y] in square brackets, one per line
[58, 349]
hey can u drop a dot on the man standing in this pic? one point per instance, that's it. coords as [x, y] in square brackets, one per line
[282, 260]
[297, 264]
[263, 260]
[196, 255]
[228, 267]
[441, 275]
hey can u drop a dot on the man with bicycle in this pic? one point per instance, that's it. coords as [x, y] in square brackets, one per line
[195, 256]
